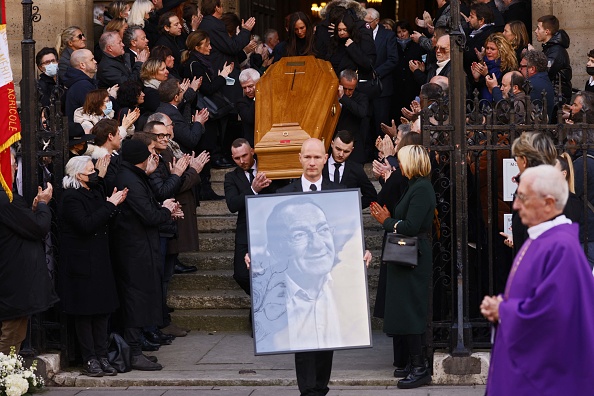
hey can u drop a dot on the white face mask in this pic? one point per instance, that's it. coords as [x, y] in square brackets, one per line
[51, 69]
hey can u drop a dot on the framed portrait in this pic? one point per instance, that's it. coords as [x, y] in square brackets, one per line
[308, 277]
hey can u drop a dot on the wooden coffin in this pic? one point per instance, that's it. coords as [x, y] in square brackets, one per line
[295, 99]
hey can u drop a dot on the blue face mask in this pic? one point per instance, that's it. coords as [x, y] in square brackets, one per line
[108, 108]
[51, 70]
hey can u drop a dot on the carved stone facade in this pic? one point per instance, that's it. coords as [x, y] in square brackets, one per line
[575, 17]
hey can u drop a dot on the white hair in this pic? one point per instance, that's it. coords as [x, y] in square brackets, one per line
[269, 34]
[98, 11]
[160, 117]
[547, 181]
[373, 12]
[75, 166]
[249, 74]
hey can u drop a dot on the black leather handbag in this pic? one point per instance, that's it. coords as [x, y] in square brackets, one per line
[401, 250]
[119, 353]
[218, 104]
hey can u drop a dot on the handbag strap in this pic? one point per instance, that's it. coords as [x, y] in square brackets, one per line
[205, 73]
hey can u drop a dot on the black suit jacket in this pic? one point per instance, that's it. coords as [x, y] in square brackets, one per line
[246, 108]
[387, 58]
[237, 187]
[185, 134]
[296, 186]
[353, 113]
[354, 177]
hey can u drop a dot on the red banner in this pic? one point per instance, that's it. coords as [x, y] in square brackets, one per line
[10, 124]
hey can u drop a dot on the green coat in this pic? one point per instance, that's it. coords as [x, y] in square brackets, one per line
[407, 289]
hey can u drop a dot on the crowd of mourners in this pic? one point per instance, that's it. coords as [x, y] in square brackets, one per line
[142, 140]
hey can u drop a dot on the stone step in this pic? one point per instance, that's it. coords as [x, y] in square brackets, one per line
[218, 175]
[209, 260]
[212, 319]
[204, 280]
[208, 299]
[217, 223]
[213, 208]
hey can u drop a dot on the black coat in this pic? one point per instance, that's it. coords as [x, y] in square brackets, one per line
[185, 134]
[116, 70]
[176, 45]
[246, 108]
[237, 187]
[136, 249]
[387, 60]
[404, 81]
[353, 113]
[226, 49]
[559, 63]
[354, 176]
[86, 281]
[78, 84]
[45, 85]
[25, 284]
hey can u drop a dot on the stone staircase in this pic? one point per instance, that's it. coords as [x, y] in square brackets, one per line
[209, 299]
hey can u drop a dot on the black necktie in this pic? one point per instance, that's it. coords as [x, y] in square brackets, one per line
[337, 172]
[251, 175]
[313, 187]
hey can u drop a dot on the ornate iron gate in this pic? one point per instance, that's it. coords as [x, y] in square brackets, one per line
[44, 152]
[468, 139]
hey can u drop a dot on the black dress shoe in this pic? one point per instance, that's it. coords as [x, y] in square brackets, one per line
[151, 358]
[419, 374]
[185, 269]
[148, 346]
[107, 367]
[164, 336]
[140, 362]
[210, 195]
[92, 368]
[222, 163]
[402, 372]
[153, 337]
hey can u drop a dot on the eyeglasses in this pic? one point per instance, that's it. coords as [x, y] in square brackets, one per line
[80, 36]
[301, 237]
[441, 49]
[523, 66]
[47, 62]
[163, 135]
[523, 197]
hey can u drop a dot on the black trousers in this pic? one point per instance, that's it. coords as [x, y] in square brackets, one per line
[241, 274]
[132, 338]
[313, 371]
[406, 346]
[91, 331]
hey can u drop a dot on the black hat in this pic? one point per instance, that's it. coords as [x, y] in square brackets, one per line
[135, 152]
[169, 5]
[76, 134]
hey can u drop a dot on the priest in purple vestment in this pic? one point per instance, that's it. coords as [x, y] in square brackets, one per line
[544, 338]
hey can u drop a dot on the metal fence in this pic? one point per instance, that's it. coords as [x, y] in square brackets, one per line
[470, 259]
